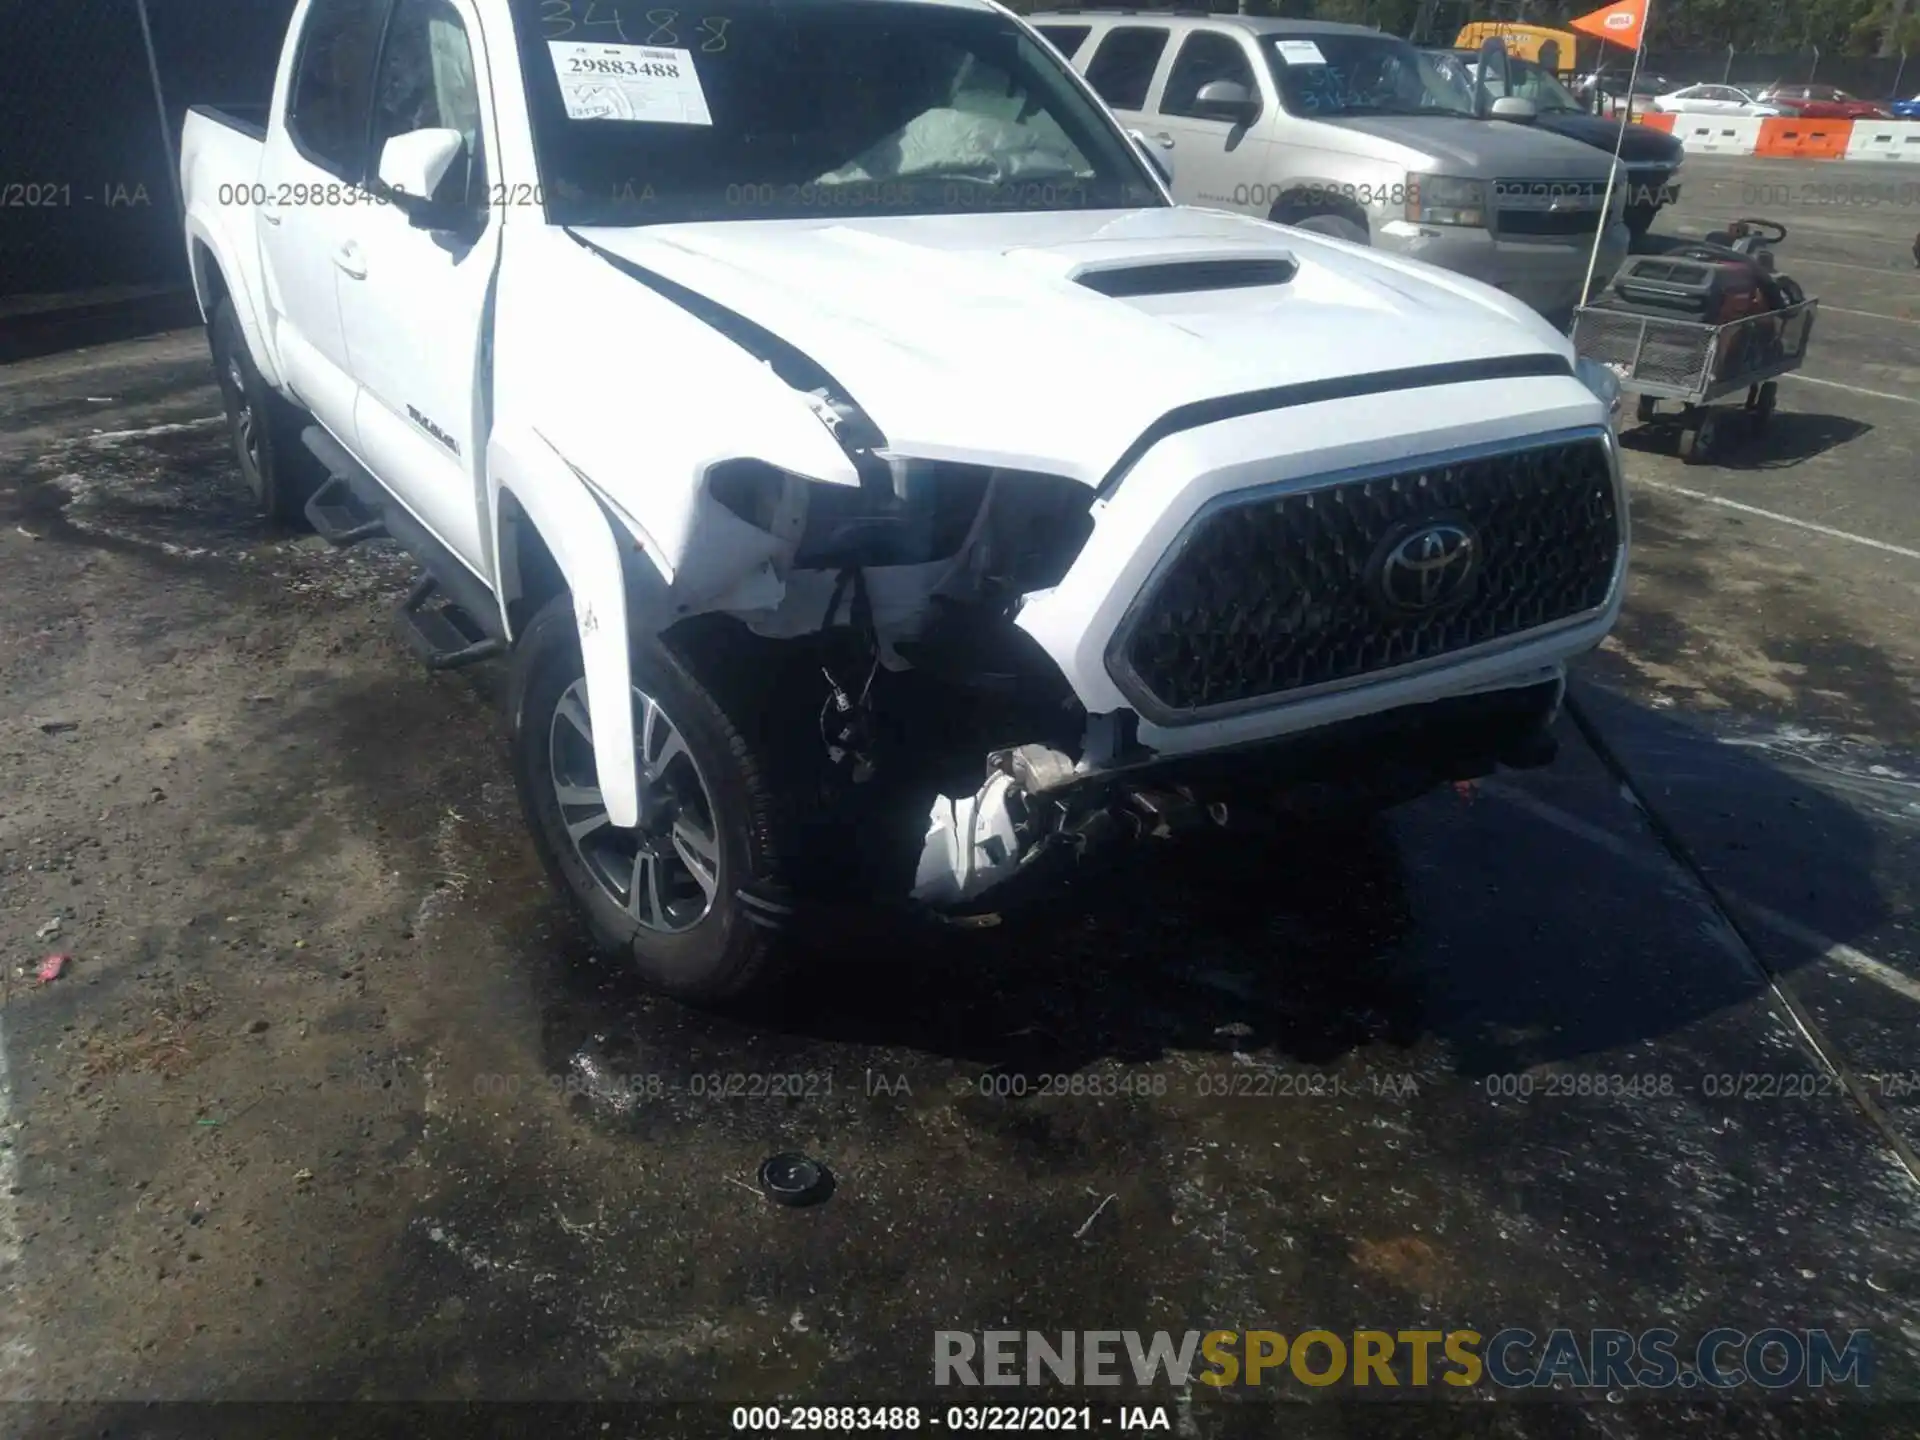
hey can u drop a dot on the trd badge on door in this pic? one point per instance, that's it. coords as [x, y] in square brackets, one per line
[432, 429]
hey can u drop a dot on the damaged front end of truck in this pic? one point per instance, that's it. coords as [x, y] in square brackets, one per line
[975, 671]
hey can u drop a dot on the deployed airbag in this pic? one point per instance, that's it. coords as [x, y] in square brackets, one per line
[952, 143]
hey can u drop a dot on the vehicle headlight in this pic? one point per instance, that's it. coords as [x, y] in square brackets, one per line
[1604, 384]
[1447, 200]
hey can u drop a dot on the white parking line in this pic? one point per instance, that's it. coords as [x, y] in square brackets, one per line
[1846, 956]
[1826, 309]
[1851, 389]
[102, 436]
[1774, 515]
[1799, 260]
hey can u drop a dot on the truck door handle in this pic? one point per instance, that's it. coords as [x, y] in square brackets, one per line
[1163, 140]
[350, 259]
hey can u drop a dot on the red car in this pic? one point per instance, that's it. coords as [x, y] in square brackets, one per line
[1823, 102]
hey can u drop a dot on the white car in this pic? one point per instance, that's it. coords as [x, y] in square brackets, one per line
[1712, 100]
[875, 483]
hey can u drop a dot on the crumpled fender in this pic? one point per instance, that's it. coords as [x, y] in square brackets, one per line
[529, 483]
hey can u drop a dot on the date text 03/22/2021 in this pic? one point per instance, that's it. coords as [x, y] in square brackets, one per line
[960, 1419]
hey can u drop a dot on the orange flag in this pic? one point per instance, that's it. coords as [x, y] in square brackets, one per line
[1621, 24]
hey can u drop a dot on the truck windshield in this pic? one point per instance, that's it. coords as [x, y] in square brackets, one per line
[1525, 81]
[1326, 76]
[754, 110]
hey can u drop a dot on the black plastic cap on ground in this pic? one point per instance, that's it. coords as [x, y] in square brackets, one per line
[794, 1179]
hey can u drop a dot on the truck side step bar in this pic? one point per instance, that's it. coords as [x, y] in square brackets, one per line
[446, 637]
[338, 517]
[465, 627]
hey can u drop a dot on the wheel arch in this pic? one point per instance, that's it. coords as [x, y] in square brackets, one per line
[217, 275]
[1305, 200]
[553, 536]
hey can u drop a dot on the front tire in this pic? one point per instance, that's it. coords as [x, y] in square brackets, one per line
[277, 468]
[688, 897]
[1337, 226]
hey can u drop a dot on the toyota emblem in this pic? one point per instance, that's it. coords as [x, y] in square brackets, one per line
[1427, 568]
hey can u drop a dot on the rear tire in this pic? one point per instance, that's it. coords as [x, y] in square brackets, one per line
[696, 915]
[280, 471]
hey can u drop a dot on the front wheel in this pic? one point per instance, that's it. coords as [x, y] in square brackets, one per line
[277, 468]
[1337, 226]
[684, 896]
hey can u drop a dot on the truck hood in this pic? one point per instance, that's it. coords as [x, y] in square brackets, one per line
[1485, 149]
[1641, 145]
[980, 337]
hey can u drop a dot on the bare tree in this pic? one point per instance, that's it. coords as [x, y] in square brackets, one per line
[1890, 33]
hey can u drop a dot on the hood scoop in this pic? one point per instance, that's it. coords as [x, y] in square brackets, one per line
[1185, 277]
[1182, 267]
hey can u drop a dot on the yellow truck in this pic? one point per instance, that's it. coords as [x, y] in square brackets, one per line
[1550, 49]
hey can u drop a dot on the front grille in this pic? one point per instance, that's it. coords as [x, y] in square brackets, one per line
[1548, 222]
[1548, 207]
[1278, 593]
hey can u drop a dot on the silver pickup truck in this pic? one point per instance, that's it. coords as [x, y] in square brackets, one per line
[1355, 134]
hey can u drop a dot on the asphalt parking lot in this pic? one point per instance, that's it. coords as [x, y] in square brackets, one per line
[329, 1104]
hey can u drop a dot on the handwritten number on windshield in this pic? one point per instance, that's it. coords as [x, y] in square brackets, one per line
[593, 5]
[558, 17]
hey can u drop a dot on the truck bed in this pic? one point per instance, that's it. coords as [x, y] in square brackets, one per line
[221, 149]
[249, 120]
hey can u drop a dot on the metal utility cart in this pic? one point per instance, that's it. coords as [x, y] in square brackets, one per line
[1695, 364]
[1660, 357]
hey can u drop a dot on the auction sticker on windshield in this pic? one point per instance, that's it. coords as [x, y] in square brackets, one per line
[1301, 52]
[629, 82]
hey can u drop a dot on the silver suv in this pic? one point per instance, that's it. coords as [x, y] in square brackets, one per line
[1353, 133]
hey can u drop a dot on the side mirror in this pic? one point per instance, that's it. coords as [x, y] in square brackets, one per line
[1225, 100]
[413, 168]
[1515, 108]
[1159, 161]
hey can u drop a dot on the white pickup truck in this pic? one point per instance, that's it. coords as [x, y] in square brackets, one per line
[879, 486]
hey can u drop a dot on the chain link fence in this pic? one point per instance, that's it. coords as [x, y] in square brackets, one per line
[1866, 76]
[87, 185]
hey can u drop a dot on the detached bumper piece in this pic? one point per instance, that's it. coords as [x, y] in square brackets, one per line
[1270, 595]
[1038, 817]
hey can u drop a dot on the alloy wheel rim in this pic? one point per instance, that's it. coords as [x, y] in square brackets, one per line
[245, 428]
[665, 871]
